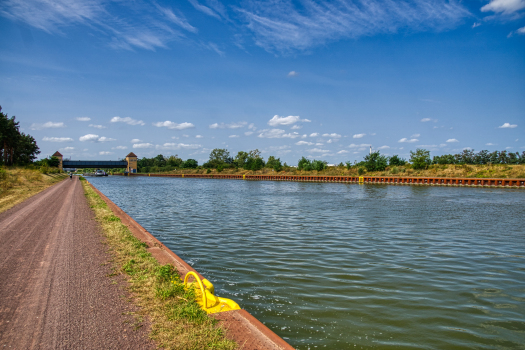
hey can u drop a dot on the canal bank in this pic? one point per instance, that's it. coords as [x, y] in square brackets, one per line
[375, 180]
[239, 325]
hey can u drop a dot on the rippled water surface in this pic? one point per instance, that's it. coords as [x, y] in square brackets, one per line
[349, 266]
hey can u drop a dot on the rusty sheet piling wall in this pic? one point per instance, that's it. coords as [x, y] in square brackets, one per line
[386, 180]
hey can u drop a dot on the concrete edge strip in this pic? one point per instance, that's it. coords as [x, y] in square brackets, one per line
[253, 326]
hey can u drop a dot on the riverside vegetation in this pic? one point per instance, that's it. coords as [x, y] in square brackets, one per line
[18, 183]
[177, 321]
[483, 164]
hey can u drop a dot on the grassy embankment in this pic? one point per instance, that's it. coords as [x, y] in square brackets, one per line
[474, 171]
[18, 184]
[177, 320]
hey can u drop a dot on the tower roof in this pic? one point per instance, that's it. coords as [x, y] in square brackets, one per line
[56, 154]
[131, 154]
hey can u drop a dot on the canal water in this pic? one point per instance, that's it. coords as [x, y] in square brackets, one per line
[342, 266]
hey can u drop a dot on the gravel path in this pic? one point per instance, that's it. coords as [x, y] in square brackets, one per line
[55, 292]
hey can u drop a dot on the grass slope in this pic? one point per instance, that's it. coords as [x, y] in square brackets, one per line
[18, 184]
[177, 320]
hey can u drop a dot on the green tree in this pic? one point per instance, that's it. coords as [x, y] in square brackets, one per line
[420, 159]
[241, 158]
[304, 164]
[15, 147]
[190, 164]
[396, 161]
[274, 163]
[375, 162]
[174, 161]
[219, 156]
[319, 165]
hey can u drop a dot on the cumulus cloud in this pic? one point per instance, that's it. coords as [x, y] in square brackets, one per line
[95, 138]
[171, 125]
[293, 74]
[504, 6]
[277, 133]
[314, 134]
[404, 139]
[83, 119]
[383, 147]
[276, 120]
[103, 153]
[248, 133]
[358, 136]
[296, 127]
[230, 125]
[476, 24]
[353, 145]
[424, 120]
[318, 150]
[120, 147]
[508, 126]
[57, 139]
[47, 125]
[97, 126]
[304, 143]
[520, 31]
[334, 135]
[415, 135]
[176, 146]
[136, 141]
[452, 140]
[127, 120]
[342, 151]
[233, 136]
[199, 136]
[490, 144]
[143, 145]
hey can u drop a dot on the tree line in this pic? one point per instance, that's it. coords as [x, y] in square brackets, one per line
[16, 148]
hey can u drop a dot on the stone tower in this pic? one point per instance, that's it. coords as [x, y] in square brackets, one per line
[131, 158]
[60, 157]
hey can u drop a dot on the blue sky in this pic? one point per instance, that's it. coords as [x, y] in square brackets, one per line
[96, 79]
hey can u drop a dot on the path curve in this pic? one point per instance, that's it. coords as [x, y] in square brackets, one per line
[54, 289]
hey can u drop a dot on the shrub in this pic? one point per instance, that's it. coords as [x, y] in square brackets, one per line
[420, 159]
[375, 162]
[360, 170]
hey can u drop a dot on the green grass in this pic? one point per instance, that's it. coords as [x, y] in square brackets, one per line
[177, 321]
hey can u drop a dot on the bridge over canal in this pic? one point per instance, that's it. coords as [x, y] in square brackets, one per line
[130, 163]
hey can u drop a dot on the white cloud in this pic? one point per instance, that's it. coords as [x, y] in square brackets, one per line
[57, 139]
[199, 136]
[490, 144]
[318, 150]
[276, 120]
[353, 145]
[508, 125]
[233, 136]
[127, 120]
[176, 146]
[424, 120]
[120, 147]
[103, 153]
[452, 140]
[288, 25]
[342, 151]
[415, 135]
[277, 133]
[504, 6]
[136, 141]
[296, 127]
[383, 147]
[230, 125]
[47, 125]
[304, 143]
[143, 145]
[334, 135]
[171, 125]
[83, 119]
[293, 74]
[319, 144]
[95, 138]
[477, 24]
[248, 133]
[404, 139]
[214, 8]
[97, 126]
[358, 136]
[314, 134]
[520, 31]
[252, 126]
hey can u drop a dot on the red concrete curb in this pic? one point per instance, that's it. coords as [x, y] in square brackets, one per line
[386, 180]
[248, 332]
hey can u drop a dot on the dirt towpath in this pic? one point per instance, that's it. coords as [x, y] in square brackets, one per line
[55, 292]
